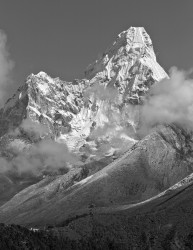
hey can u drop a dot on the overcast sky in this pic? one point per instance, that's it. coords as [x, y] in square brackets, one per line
[62, 37]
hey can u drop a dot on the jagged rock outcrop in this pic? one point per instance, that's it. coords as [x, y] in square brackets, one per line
[51, 102]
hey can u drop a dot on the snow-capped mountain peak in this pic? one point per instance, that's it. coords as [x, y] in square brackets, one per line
[110, 95]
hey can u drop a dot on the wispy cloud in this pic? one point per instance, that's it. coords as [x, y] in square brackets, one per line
[47, 155]
[44, 155]
[170, 101]
[34, 127]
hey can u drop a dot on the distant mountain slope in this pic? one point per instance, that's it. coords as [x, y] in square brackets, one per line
[163, 222]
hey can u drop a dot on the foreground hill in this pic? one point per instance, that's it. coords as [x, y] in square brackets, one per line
[151, 166]
[163, 222]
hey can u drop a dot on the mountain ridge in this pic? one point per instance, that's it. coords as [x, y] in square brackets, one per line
[96, 118]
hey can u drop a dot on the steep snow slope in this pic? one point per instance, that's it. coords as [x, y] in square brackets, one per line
[130, 57]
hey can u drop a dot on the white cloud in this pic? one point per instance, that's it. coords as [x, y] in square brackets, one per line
[170, 101]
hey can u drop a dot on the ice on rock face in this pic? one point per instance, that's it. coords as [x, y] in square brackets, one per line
[42, 74]
[73, 110]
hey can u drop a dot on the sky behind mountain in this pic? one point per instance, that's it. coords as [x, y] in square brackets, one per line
[63, 37]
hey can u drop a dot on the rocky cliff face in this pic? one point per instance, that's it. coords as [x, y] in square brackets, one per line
[129, 64]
